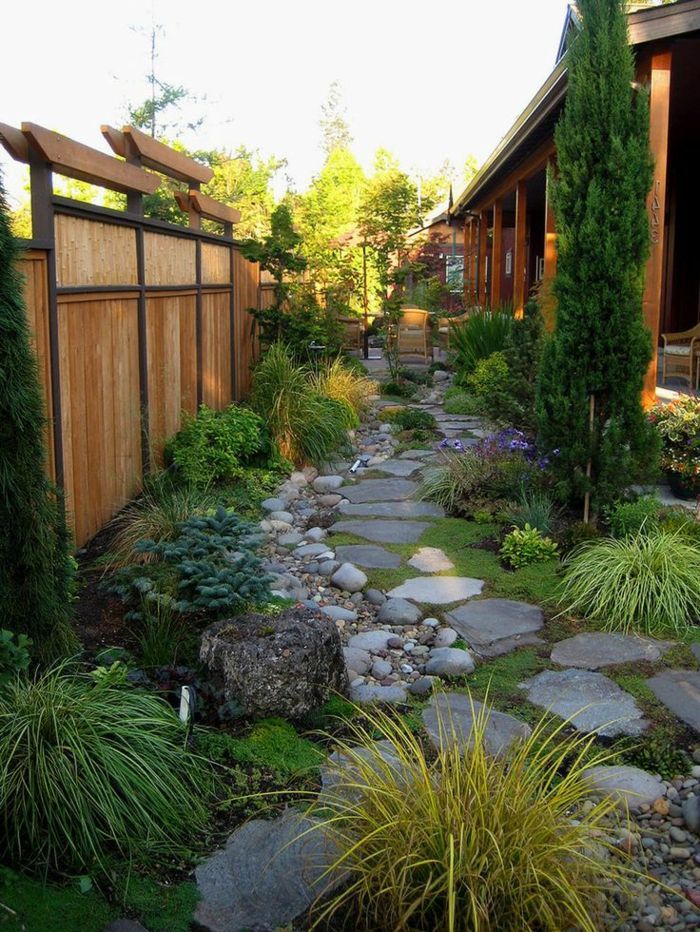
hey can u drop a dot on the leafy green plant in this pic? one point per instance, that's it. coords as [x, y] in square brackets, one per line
[644, 583]
[14, 655]
[658, 753]
[527, 545]
[409, 418]
[88, 770]
[308, 426]
[577, 533]
[535, 507]
[462, 403]
[214, 445]
[212, 566]
[678, 425]
[156, 515]
[677, 519]
[462, 839]
[631, 517]
[489, 378]
[478, 336]
[396, 389]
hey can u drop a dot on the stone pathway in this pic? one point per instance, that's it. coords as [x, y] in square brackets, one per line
[400, 643]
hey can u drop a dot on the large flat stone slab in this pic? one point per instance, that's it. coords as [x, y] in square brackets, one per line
[384, 532]
[368, 556]
[344, 775]
[596, 649]
[631, 786]
[438, 590]
[449, 718]
[679, 690]
[266, 876]
[495, 626]
[430, 560]
[405, 509]
[368, 693]
[398, 467]
[591, 701]
[380, 490]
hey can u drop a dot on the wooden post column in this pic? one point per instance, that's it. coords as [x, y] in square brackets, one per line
[659, 110]
[467, 261]
[497, 253]
[550, 252]
[483, 256]
[520, 257]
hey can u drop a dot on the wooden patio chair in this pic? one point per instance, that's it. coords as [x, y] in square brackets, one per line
[352, 332]
[414, 333]
[681, 354]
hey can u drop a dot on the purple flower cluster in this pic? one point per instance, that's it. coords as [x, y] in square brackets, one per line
[505, 441]
[452, 445]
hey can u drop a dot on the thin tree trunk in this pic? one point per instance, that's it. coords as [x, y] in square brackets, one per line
[589, 464]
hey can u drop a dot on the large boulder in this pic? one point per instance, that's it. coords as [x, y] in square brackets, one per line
[284, 665]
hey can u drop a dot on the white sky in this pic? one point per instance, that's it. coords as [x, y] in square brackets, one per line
[427, 80]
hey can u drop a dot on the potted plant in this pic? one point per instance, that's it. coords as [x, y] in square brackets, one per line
[678, 423]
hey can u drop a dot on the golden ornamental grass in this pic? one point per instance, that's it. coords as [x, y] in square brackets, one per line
[335, 380]
[466, 842]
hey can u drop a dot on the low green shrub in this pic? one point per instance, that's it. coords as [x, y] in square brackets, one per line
[395, 389]
[409, 418]
[14, 655]
[212, 566]
[456, 841]
[627, 518]
[658, 753]
[462, 402]
[527, 545]
[214, 446]
[307, 426]
[678, 519]
[478, 336]
[272, 744]
[646, 583]
[535, 507]
[89, 771]
[489, 378]
[577, 533]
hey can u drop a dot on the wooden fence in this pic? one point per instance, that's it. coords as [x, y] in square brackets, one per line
[134, 321]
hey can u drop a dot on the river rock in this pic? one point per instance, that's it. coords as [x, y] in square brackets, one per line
[629, 785]
[349, 578]
[449, 661]
[399, 612]
[325, 484]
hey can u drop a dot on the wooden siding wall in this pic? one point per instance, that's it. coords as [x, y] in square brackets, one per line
[132, 305]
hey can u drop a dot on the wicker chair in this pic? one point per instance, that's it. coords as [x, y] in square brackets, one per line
[681, 354]
[414, 333]
[445, 329]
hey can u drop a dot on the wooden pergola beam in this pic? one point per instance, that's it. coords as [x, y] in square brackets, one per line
[156, 155]
[14, 142]
[206, 207]
[76, 160]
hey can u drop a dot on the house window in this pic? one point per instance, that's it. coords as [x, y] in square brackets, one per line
[509, 262]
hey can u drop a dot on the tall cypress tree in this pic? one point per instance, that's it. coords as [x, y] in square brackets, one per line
[593, 366]
[34, 558]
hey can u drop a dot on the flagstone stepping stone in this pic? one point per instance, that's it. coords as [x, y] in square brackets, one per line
[405, 509]
[449, 718]
[371, 640]
[268, 874]
[399, 612]
[398, 467]
[679, 690]
[449, 661]
[380, 490]
[430, 560]
[631, 786]
[596, 649]
[368, 556]
[342, 777]
[384, 532]
[438, 590]
[496, 626]
[367, 693]
[312, 551]
[416, 454]
[591, 701]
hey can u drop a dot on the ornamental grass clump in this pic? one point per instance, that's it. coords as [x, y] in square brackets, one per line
[478, 336]
[645, 583]
[348, 386]
[461, 840]
[308, 427]
[89, 770]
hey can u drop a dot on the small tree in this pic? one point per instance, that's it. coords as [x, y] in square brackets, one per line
[35, 568]
[592, 373]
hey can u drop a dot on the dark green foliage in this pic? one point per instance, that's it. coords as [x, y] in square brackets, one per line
[279, 253]
[409, 419]
[600, 348]
[310, 332]
[215, 445]
[657, 753]
[481, 334]
[631, 517]
[35, 572]
[162, 635]
[211, 567]
[14, 655]
[89, 771]
[489, 381]
[579, 532]
[534, 507]
[462, 403]
[272, 744]
[396, 389]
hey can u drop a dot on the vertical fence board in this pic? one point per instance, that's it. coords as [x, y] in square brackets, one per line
[246, 288]
[169, 260]
[90, 252]
[216, 349]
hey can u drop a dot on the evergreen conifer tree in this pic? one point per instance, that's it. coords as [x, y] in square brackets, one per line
[35, 570]
[592, 373]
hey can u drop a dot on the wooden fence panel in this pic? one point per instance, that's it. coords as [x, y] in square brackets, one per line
[216, 264]
[246, 282]
[33, 266]
[101, 417]
[92, 253]
[169, 259]
[216, 349]
[172, 365]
